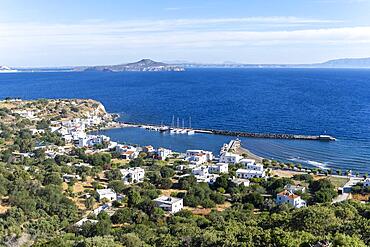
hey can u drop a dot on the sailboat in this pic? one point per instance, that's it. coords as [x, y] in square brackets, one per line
[190, 131]
[173, 130]
[183, 130]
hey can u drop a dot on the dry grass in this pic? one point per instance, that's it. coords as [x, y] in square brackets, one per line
[170, 191]
[205, 211]
[64, 186]
[79, 202]
[78, 187]
[361, 197]
[336, 181]
[119, 162]
[4, 208]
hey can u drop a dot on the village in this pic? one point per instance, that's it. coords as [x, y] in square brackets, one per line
[103, 174]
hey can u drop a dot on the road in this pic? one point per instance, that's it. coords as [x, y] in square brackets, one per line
[346, 196]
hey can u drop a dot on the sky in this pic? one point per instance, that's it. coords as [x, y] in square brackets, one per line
[39, 33]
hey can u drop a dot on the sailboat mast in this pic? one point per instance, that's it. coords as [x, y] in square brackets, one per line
[189, 122]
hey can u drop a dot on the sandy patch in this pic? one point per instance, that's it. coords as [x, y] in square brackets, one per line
[4, 208]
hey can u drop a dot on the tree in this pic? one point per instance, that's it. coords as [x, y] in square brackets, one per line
[134, 198]
[121, 216]
[90, 202]
[103, 227]
[254, 198]
[131, 240]
[106, 241]
[222, 182]
[323, 190]
[316, 220]
[53, 178]
[342, 240]
[187, 182]
[167, 172]
[165, 183]
[138, 162]
[117, 185]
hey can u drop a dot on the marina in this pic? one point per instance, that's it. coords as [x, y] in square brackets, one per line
[190, 131]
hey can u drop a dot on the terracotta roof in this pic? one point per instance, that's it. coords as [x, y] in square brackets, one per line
[288, 194]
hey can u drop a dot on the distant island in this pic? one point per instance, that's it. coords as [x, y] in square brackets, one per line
[6, 69]
[145, 65]
[142, 65]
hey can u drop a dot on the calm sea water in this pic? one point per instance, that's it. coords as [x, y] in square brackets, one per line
[298, 101]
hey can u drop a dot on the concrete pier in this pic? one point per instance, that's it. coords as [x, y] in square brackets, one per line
[248, 134]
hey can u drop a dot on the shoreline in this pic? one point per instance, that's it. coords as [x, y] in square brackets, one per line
[276, 170]
[240, 150]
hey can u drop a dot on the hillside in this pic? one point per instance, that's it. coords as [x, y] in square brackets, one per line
[347, 63]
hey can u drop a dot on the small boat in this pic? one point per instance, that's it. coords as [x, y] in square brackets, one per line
[163, 129]
[191, 132]
[326, 138]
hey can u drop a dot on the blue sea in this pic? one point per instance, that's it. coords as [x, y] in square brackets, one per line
[296, 101]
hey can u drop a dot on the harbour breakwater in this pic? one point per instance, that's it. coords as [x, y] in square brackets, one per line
[241, 133]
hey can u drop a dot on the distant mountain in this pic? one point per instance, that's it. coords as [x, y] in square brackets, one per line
[336, 63]
[346, 63]
[6, 69]
[142, 65]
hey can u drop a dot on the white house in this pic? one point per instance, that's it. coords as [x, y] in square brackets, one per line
[295, 188]
[241, 181]
[367, 182]
[200, 171]
[127, 152]
[78, 165]
[122, 148]
[26, 114]
[107, 193]
[70, 177]
[92, 140]
[163, 153]
[129, 155]
[219, 168]
[148, 149]
[169, 204]
[230, 158]
[246, 173]
[291, 198]
[248, 163]
[198, 157]
[210, 178]
[133, 175]
[251, 169]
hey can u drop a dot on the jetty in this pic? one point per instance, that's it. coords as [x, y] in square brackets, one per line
[245, 134]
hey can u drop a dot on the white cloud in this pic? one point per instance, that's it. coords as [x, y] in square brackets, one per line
[180, 35]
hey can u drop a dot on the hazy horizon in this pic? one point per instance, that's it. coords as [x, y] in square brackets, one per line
[54, 34]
